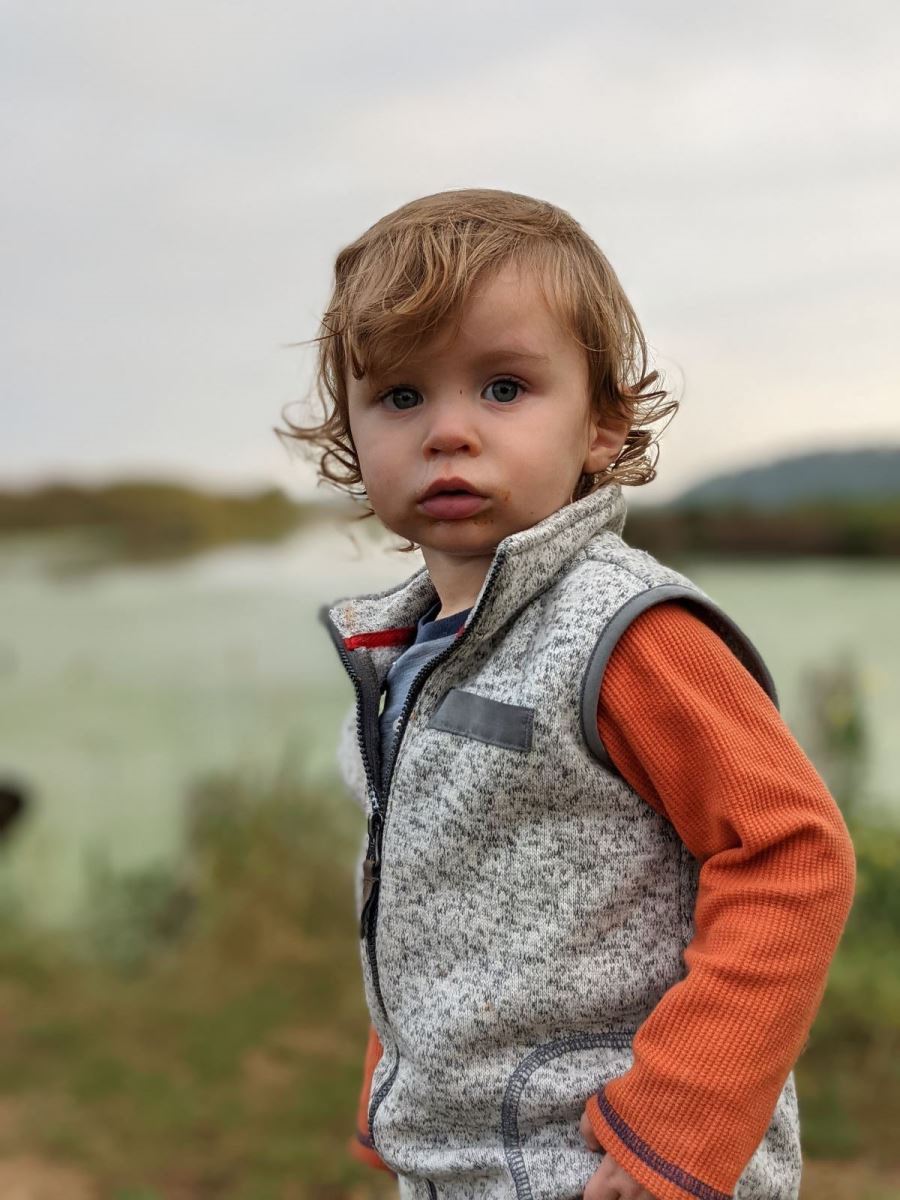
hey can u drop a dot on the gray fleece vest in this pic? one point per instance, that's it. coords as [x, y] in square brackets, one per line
[522, 909]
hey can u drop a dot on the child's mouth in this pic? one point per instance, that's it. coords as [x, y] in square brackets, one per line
[452, 505]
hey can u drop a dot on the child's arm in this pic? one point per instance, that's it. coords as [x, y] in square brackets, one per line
[699, 740]
[360, 1145]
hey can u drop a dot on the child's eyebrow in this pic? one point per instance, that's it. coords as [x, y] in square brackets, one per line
[510, 352]
[478, 360]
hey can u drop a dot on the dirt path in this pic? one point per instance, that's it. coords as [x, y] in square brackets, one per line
[30, 1178]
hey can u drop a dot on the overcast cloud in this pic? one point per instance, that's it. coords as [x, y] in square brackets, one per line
[180, 176]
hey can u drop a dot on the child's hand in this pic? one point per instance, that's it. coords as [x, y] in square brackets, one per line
[609, 1181]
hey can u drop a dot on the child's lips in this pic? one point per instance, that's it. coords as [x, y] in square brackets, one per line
[452, 506]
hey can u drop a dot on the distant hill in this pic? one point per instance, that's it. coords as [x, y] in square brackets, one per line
[863, 474]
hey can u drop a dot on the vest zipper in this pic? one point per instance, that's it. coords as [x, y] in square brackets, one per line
[378, 800]
[372, 864]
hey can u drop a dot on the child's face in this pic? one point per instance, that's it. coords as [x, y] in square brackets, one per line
[504, 406]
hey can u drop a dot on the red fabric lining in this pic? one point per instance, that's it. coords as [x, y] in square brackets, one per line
[382, 637]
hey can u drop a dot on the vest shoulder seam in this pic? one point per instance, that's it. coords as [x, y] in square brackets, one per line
[615, 626]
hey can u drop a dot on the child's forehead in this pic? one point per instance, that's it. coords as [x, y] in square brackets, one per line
[502, 317]
[510, 295]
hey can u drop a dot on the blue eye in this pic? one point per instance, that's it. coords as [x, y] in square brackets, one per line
[405, 393]
[506, 385]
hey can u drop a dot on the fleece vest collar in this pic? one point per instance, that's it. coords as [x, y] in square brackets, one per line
[523, 566]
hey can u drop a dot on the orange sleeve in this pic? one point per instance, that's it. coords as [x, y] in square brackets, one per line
[698, 738]
[360, 1145]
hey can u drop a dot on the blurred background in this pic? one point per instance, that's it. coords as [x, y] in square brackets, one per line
[181, 1013]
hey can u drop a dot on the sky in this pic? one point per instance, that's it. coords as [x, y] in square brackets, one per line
[179, 177]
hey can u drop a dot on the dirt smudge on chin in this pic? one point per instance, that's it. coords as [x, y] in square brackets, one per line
[486, 517]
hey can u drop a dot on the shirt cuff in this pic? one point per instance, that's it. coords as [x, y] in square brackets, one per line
[661, 1177]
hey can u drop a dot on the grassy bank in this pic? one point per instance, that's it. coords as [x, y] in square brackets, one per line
[846, 529]
[150, 520]
[203, 1036]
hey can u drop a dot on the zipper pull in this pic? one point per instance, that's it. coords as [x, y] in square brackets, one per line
[371, 868]
[374, 824]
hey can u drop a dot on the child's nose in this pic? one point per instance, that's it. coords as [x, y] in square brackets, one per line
[452, 426]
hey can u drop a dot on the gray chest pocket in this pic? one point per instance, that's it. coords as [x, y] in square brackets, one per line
[491, 721]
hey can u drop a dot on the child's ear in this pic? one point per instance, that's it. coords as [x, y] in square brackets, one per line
[607, 437]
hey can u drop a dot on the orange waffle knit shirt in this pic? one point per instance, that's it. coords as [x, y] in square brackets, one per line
[700, 741]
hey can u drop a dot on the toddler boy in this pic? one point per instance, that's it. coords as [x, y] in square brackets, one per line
[601, 883]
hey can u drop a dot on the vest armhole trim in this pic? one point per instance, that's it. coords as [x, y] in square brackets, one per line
[709, 612]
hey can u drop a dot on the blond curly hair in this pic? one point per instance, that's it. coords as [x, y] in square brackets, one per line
[413, 270]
